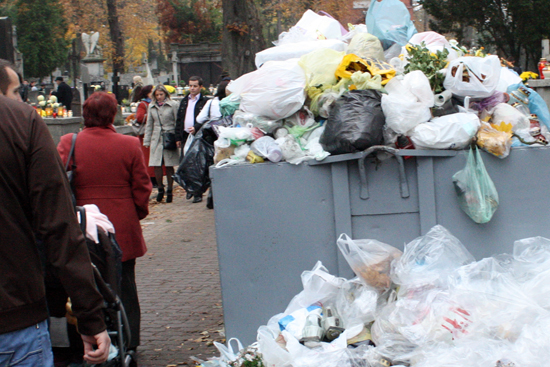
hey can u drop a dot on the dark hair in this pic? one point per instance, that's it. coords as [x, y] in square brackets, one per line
[4, 77]
[59, 78]
[197, 79]
[136, 93]
[144, 92]
[220, 93]
[99, 109]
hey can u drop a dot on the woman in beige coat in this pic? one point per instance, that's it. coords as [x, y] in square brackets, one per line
[161, 117]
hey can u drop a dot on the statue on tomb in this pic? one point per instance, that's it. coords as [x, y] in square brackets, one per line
[90, 44]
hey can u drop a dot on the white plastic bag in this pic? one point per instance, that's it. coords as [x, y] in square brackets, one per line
[476, 77]
[508, 77]
[274, 91]
[228, 353]
[453, 131]
[245, 119]
[188, 142]
[312, 26]
[266, 147]
[503, 112]
[356, 303]
[408, 102]
[296, 50]
[272, 353]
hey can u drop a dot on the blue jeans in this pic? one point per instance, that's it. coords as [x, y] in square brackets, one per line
[29, 347]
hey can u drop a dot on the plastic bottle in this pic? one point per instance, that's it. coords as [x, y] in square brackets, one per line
[541, 66]
[267, 148]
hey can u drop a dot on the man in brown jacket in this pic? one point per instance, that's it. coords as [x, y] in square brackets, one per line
[35, 203]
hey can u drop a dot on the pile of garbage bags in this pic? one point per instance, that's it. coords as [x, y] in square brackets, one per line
[432, 305]
[324, 89]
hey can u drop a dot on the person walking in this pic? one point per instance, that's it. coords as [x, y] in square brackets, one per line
[64, 93]
[136, 92]
[110, 173]
[211, 109]
[161, 122]
[141, 118]
[36, 205]
[190, 107]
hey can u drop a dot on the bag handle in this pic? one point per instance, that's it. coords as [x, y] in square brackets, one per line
[71, 154]
[160, 122]
[403, 184]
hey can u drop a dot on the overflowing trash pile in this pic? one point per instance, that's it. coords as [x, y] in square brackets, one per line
[324, 90]
[431, 305]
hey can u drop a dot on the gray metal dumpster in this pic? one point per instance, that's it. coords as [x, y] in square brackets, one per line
[273, 221]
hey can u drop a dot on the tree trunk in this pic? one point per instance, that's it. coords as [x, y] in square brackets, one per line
[118, 43]
[242, 36]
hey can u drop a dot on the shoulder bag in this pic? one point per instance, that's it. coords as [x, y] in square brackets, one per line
[168, 138]
[139, 129]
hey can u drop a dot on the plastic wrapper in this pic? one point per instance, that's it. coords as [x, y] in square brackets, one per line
[390, 21]
[537, 104]
[493, 141]
[296, 50]
[430, 259]
[366, 45]
[472, 76]
[408, 102]
[222, 153]
[531, 268]
[192, 173]
[275, 91]
[355, 123]
[303, 118]
[370, 260]
[476, 192]
[454, 131]
[320, 66]
[490, 102]
[266, 147]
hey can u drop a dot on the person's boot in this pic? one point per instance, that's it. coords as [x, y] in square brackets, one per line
[188, 195]
[160, 194]
[197, 199]
[154, 182]
[169, 195]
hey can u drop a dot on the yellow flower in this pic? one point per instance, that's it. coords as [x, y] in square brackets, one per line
[528, 75]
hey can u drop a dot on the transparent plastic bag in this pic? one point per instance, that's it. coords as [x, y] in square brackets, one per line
[476, 192]
[454, 131]
[537, 104]
[430, 259]
[266, 147]
[503, 112]
[248, 119]
[356, 303]
[370, 260]
[531, 268]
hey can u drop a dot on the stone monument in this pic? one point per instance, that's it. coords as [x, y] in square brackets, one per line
[93, 61]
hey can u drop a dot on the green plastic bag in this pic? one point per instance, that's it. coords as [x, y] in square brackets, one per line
[230, 104]
[477, 194]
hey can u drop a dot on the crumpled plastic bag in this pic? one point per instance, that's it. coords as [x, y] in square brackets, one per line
[355, 123]
[233, 136]
[491, 140]
[408, 102]
[356, 303]
[476, 192]
[248, 119]
[266, 147]
[366, 45]
[390, 21]
[537, 104]
[370, 260]
[311, 27]
[230, 104]
[503, 112]
[363, 81]
[320, 66]
[507, 78]
[531, 268]
[454, 131]
[274, 91]
[296, 50]
[476, 77]
[430, 260]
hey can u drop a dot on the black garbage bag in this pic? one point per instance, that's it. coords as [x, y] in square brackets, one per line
[356, 122]
[192, 173]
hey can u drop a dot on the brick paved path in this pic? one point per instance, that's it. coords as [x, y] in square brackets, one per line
[178, 284]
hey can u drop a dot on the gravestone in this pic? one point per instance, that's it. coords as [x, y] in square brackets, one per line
[76, 104]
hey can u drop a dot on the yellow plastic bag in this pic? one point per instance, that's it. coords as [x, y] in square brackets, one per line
[353, 63]
[320, 66]
[493, 141]
[350, 64]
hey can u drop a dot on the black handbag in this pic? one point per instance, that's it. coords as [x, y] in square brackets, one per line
[168, 138]
[71, 174]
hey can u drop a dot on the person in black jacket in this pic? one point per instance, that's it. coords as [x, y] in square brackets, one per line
[64, 93]
[186, 120]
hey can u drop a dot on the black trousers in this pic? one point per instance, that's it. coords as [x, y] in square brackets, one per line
[129, 298]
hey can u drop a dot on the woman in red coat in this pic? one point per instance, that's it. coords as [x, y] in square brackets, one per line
[111, 173]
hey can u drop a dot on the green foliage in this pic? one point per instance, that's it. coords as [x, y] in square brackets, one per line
[420, 58]
[41, 30]
[512, 26]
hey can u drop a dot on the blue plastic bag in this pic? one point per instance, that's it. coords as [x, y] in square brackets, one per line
[537, 105]
[390, 21]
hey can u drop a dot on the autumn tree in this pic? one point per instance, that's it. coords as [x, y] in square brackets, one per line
[514, 27]
[190, 21]
[41, 30]
[242, 36]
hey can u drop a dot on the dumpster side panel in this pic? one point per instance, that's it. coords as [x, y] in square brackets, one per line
[522, 181]
[273, 221]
